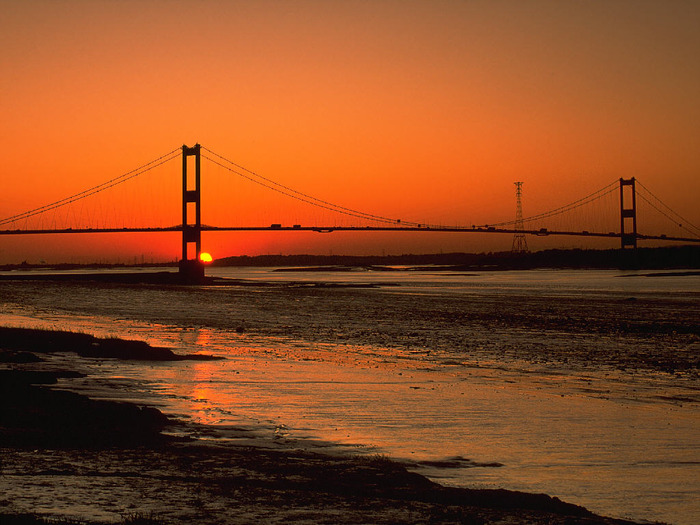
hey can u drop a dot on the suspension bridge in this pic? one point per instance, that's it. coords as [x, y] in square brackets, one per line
[627, 194]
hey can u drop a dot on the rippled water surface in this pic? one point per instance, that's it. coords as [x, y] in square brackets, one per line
[580, 384]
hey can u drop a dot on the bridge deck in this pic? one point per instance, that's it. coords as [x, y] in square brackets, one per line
[329, 229]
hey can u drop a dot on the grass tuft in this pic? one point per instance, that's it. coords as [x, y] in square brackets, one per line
[135, 518]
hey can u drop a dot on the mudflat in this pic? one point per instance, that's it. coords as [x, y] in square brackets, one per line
[125, 457]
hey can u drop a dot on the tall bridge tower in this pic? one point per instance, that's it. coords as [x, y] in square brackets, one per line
[519, 241]
[191, 268]
[628, 213]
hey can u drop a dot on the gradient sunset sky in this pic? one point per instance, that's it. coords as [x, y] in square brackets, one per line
[426, 111]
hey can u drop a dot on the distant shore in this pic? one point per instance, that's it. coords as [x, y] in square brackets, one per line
[663, 258]
[50, 435]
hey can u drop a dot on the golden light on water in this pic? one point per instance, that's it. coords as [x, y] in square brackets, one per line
[205, 257]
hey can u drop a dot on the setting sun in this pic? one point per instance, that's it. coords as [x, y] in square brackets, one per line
[205, 257]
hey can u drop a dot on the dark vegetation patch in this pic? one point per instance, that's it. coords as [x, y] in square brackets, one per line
[85, 345]
[641, 258]
[37, 519]
[18, 357]
[35, 416]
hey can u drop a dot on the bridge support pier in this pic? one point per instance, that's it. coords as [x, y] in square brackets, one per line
[628, 213]
[191, 267]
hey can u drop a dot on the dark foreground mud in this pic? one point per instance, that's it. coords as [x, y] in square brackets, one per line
[17, 343]
[115, 457]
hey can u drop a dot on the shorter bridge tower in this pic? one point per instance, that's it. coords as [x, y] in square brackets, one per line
[628, 214]
[191, 267]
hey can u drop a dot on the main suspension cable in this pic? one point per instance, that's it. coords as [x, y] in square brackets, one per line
[680, 225]
[669, 209]
[301, 198]
[95, 189]
[291, 192]
[568, 207]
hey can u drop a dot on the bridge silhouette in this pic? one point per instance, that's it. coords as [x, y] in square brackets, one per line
[191, 226]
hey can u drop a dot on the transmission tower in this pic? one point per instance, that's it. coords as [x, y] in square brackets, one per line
[519, 241]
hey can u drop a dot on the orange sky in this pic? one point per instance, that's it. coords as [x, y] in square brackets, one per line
[427, 111]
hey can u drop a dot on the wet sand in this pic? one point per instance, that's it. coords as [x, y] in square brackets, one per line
[125, 460]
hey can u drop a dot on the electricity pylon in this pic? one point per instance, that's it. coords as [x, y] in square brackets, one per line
[519, 241]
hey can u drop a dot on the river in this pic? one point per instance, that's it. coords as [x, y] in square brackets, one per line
[582, 384]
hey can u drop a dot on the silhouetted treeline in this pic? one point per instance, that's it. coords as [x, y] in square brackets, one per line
[681, 257]
[676, 257]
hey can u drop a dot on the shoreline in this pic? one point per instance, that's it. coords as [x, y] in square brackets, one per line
[175, 279]
[682, 257]
[47, 434]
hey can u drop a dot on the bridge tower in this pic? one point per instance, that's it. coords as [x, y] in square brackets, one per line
[628, 214]
[191, 268]
[519, 241]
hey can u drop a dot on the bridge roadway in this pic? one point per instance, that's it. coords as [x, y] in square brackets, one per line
[330, 229]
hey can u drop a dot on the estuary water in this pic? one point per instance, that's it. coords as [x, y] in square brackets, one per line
[581, 384]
